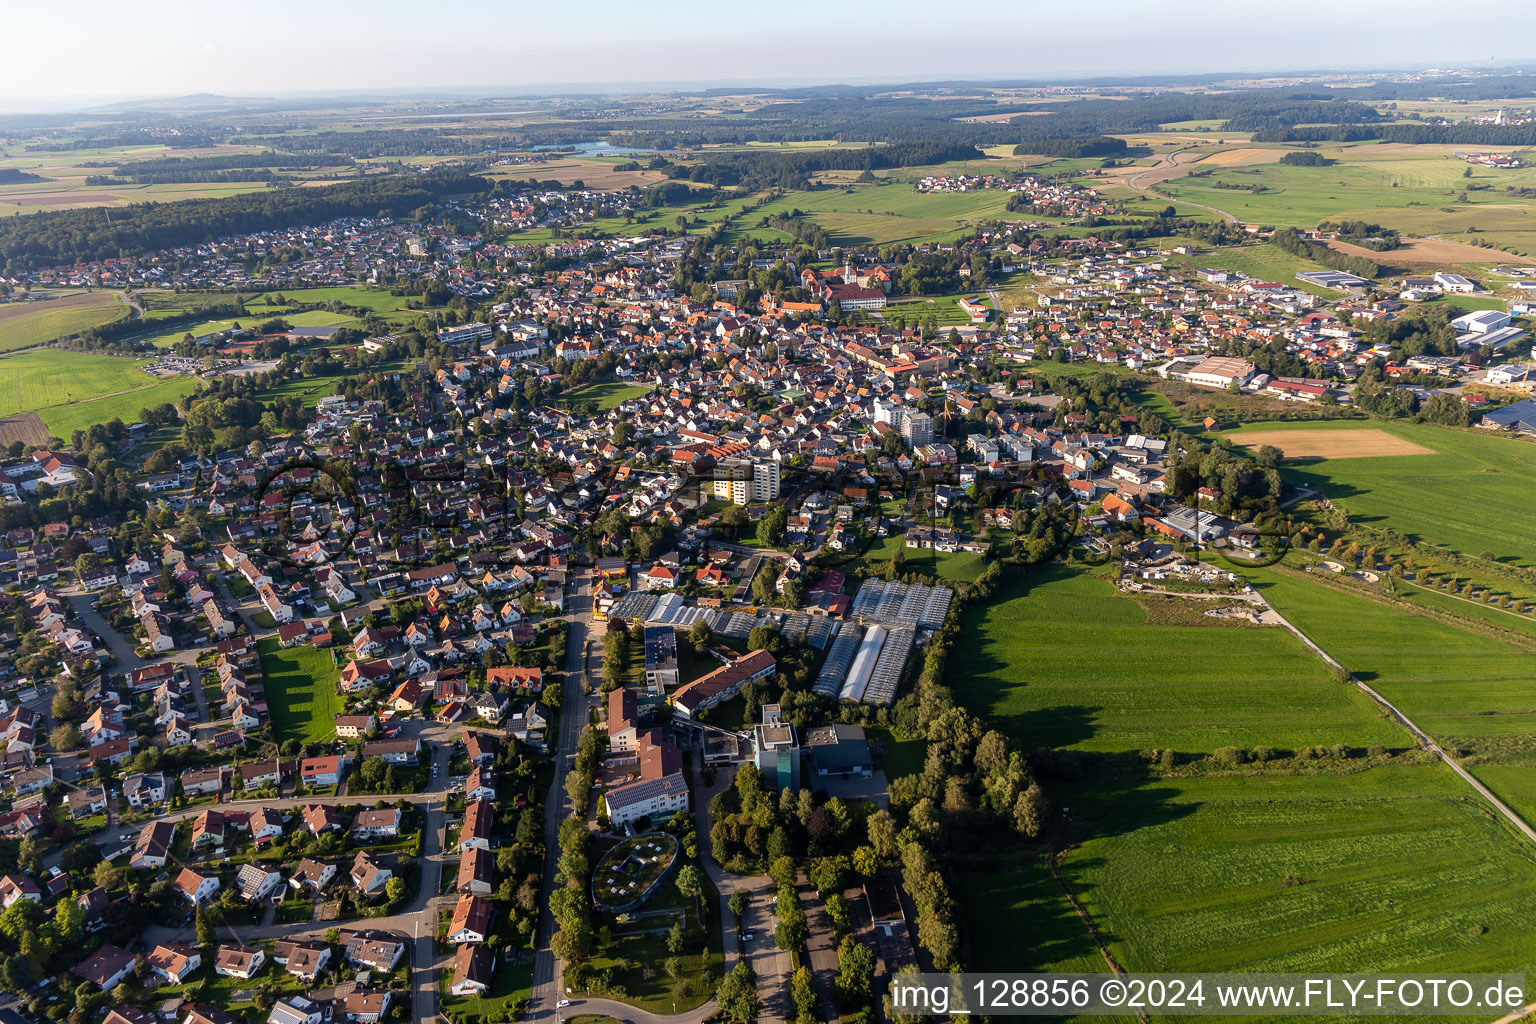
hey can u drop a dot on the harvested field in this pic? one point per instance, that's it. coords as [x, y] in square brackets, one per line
[1431, 251]
[1333, 444]
[61, 198]
[1242, 157]
[594, 174]
[27, 428]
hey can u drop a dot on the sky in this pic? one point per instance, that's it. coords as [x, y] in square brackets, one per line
[92, 49]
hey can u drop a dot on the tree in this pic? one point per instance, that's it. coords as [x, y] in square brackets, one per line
[675, 938]
[882, 834]
[1029, 811]
[64, 737]
[838, 912]
[739, 900]
[107, 876]
[793, 930]
[205, 935]
[394, 889]
[802, 993]
[737, 993]
[855, 973]
[690, 883]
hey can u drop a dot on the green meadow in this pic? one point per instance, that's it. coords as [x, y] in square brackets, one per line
[301, 690]
[23, 325]
[1466, 687]
[886, 213]
[1305, 866]
[1368, 871]
[1063, 660]
[1420, 190]
[1263, 261]
[72, 390]
[1483, 486]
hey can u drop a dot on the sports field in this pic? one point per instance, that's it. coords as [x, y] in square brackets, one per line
[1063, 660]
[72, 390]
[301, 691]
[25, 324]
[1482, 484]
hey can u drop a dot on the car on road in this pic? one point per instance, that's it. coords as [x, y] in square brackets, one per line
[562, 1004]
[746, 937]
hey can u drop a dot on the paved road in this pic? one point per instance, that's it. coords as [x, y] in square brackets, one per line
[548, 972]
[1168, 162]
[82, 603]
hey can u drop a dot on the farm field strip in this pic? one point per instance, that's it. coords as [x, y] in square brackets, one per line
[1483, 484]
[1466, 689]
[1066, 661]
[25, 324]
[1364, 443]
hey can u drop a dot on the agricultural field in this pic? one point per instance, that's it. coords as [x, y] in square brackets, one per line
[594, 172]
[702, 214]
[887, 213]
[1367, 871]
[25, 324]
[64, 420]
[1469, 688]
[301, 691]
[375, 300]
[1419, 190]
[64, 173]
[1263, 261]
[1064, 660]
[1483, 484]
[72, 390]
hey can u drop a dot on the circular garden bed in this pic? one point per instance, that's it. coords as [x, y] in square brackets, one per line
[629, 873]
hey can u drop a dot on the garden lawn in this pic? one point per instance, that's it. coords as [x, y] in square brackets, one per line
[301, 691]
[1483, 486]
[511, 986]
[1061, 659]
